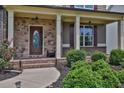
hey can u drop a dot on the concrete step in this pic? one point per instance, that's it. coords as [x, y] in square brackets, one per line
[33, 63]
[40, 65]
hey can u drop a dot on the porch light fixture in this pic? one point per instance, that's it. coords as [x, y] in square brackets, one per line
[36, 18]
[89, 22]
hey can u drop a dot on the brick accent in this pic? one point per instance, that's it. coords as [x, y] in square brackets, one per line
[92, 49]
[87, 49]
[33, 63]
[38, 63]
[21, 34]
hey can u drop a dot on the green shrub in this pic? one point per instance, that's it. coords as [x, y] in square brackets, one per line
[97, 55]
[3, 64]
[100, 64]
[84, 75]
[120, 75]
[80, 64]
[116, 56]
[122, 64]
[81, 78]
[75, 55]
[6, 52]
[109, 79]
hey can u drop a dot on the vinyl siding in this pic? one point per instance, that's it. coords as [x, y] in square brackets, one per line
[112, 30]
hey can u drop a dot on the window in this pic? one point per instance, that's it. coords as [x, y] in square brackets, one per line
[36, 39]
[91, 7]
[86, 36]
[79, 6]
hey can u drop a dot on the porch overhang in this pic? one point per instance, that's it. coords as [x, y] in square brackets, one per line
[95, 17]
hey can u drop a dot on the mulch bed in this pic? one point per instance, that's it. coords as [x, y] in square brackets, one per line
[63, 71]
[8, 74]
[119, 67]
[122, 86]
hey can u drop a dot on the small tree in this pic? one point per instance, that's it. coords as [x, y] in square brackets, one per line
[6, 53]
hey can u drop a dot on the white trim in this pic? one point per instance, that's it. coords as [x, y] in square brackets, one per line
[34, 12]
[58, 36]
[29, 40]
[66, 45]
[66, 14]
[11, 28]
[77, 32]
[101, 45]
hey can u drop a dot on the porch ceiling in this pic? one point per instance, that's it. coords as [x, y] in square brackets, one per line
[96, 17]
[32, 15]
[85, 20]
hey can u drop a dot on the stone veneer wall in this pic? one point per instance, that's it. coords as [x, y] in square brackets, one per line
[21, 34]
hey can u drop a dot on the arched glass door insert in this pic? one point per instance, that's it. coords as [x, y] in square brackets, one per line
[36, 39]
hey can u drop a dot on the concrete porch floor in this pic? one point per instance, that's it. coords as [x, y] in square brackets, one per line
[33, 78]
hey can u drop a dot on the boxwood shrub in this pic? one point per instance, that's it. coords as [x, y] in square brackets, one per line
[80, 64]
[81, 78]
[109, 79]
[85, 76]
[116, 56]
[100, 64]
[120, 75]
[122, 64]
[97, 55]
[75, 55]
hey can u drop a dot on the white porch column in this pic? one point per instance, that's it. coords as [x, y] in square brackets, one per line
[10, 27]
[58, 36]
[121, 34]
[77, 33]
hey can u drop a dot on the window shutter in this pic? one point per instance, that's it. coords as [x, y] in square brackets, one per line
[71, 6]
[95, 36]
[71, 36]
[95, 7]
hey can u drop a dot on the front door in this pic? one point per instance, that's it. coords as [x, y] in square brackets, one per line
[36, 40]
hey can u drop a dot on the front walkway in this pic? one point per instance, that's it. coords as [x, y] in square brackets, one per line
[33, 78]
